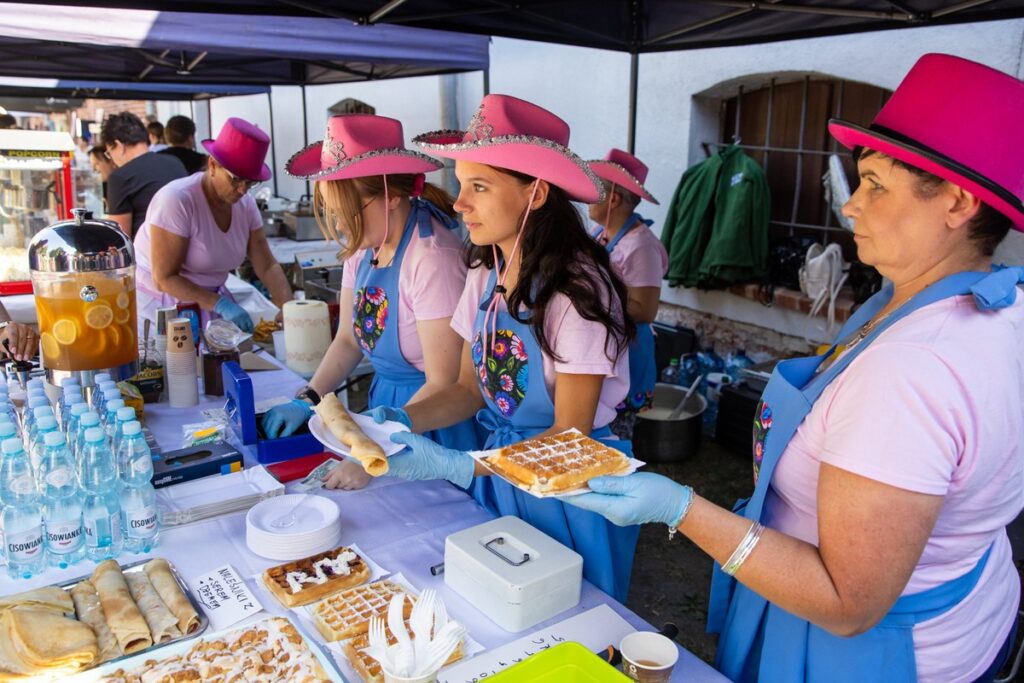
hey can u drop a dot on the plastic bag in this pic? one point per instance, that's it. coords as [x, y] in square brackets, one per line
[223, 335]
[201, 433]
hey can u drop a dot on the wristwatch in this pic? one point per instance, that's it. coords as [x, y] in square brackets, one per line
[307, 393]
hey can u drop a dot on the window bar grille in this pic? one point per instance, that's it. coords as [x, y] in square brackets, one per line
[736, 125]
[799, 154]
[768, 125]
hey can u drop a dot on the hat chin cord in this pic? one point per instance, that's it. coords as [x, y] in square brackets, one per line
[387, 225]
[608, 212]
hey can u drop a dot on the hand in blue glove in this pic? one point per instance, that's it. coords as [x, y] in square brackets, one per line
[284, 419]
[382, 414]
[229, 310]
[635, 499]
[426, 459]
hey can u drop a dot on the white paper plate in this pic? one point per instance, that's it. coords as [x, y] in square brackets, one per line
[381, 433]
[317, 526]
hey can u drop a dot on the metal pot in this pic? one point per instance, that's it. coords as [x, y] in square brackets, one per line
[659, 439]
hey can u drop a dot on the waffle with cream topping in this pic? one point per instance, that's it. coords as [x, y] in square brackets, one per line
[347, 614]
[559, 462]
[301, 582]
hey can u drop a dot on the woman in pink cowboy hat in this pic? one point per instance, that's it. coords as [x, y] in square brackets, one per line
[402, 281]
[201, 227]
[542, 319]
[886, 470]
[640, 259]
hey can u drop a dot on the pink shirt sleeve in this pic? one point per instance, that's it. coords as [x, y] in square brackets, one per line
[254, 218]
[434, 279]
[643, 262]
[918, 415]
[348, 272]
[171, 209]
[578, 342]
[469, 303]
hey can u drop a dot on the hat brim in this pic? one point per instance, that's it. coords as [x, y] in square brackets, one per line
[851, 135]
[614, 173]
[211, 148]
[306, 164]
[526, 154]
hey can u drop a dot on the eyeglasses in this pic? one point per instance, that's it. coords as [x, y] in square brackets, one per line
[363, 207]
[241, 182]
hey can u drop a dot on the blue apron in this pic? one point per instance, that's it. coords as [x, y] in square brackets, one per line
[762, 642]
[511, 378]
[375, 325]
[643, 371]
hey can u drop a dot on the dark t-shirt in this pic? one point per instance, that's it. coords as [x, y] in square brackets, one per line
[193, 160]
[132, 186]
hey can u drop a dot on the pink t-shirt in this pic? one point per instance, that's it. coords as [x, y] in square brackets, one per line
[934, 406]
[639, 258]
[180, 207]
[430, 283]
[578, 342]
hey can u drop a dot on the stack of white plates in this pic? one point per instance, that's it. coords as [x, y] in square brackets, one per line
[316, 527]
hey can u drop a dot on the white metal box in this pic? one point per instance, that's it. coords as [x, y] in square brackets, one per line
[513, 573]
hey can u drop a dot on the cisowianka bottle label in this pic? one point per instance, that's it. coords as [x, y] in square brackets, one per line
[92, 532]
[141, 523]
[64, 538]
[25, 546]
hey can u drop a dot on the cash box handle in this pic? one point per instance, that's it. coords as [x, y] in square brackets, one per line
[500, 540]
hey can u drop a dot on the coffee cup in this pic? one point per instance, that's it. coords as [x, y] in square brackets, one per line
[648, 657]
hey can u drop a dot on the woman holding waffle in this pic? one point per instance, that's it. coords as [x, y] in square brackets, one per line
[402, 280]
[542, 319]
[886, 470]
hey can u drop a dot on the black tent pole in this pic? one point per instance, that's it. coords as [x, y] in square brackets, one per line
[305, 129]
[273, 141]
[634, 72]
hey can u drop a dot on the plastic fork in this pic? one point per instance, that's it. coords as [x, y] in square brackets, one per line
[421, 621]
[404, 656]
[289, 518]
[378, 642]
[441, 648]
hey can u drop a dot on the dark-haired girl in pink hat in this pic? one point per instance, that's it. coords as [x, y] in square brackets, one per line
[886, 470]
[402, 280]
[543, 321]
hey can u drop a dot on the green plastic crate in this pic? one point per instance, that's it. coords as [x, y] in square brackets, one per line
[566, 663]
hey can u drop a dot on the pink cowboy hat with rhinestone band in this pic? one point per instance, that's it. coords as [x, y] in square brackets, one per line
[241, 148]
[357, 146]
[510, 133]
[623, 170]
[956, 119]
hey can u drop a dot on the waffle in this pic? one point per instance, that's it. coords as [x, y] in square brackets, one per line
[559, 462]
[367, 667]
[270, 651]
[301, 582]
[348, 614]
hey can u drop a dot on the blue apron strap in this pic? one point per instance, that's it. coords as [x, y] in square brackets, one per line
[427, 211]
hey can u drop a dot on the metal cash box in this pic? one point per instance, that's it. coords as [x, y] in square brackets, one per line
[513, 573]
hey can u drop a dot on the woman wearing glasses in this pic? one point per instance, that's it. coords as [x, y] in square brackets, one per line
[201, 227]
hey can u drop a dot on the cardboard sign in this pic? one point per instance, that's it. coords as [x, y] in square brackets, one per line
[225, 597]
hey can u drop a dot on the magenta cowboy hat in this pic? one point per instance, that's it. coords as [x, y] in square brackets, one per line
[241, 148]
[514, 134]
[956, 119]
[623, 170]
[356, 146]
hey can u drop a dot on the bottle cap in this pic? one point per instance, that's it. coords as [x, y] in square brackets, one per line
[53, 439]
[125, 413]
[70, 381]
[42, 411]
[7, 430]
[37, 401]
[89, 419]
[94, 434]
[79, 409]
[10, 446]
[132, 427]
[102, 377]
[113, 404]
[46, 423]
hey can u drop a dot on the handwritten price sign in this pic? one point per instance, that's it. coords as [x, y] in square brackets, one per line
[225, 597]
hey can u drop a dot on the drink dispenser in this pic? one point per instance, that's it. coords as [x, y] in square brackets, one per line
[83, 273]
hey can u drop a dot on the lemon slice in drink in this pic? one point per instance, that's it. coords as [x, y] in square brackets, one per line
[121, 316]
[123, 300]
[99, 317]
[50, 346]
[65, 331]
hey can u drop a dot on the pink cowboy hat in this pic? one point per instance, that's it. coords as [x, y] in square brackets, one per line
[956, 119]
[356, 146]
[624, 170]
[514, 134]
[241, 148]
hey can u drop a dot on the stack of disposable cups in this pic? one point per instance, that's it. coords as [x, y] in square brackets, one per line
[180, 366]
[307, 334]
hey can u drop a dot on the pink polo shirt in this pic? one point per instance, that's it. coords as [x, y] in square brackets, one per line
[639, 258]
[430, 283]
[577, 341]
[934, 405]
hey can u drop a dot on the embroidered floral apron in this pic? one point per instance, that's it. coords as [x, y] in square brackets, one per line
[375, 325]
[511, 378]
[643, 371]
[762, 642]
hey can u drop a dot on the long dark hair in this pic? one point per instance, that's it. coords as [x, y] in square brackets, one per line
[559, 257]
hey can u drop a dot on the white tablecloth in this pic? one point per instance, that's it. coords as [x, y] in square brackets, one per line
[401, 525]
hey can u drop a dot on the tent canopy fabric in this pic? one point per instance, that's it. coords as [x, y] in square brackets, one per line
[111, 44]
[75, 91]
[624, 25]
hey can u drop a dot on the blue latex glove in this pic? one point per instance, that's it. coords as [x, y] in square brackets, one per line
[425, 459]
[382, 414]
[229, 310]
[635, 499]
[284, 419]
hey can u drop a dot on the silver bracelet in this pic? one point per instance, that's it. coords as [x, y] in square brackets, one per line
[743, 550]
[673, 528]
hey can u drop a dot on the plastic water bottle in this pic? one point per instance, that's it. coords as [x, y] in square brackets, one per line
[35, 383]
[670, 375]
[72, 395]
[27, 418]
[8, 430]
[45, 424]
[62, 503]
[101, 377]
[37, 414]
[101, 498]
[87, 421]
[100, 395]
[109, 416]
[123, 416]
[737, 362]
[138, 499]
[71, 426]
[22, 517]
[689, 370]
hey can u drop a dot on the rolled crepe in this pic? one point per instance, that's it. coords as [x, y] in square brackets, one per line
[160, 575]
[89, 611]
[49, 598]
[162, 624]
[122, 614]
[364, 449]
[39, 640]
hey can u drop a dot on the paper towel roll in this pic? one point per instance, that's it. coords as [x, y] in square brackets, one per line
[307, 334]
[180, 364]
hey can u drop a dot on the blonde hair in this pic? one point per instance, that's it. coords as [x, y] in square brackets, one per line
[338, 204]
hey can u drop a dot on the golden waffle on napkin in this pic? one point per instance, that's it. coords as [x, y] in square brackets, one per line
[559, 462]
[348, 613]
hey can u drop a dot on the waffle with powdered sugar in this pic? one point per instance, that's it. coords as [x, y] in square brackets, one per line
[347, 614]
[559, 462]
